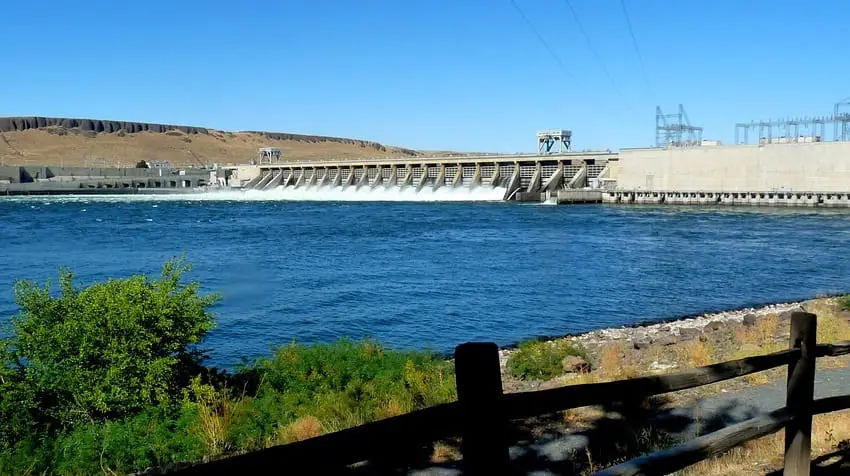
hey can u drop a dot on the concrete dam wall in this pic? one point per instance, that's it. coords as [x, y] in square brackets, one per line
[805, 167]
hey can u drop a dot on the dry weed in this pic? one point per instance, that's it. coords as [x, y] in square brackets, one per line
[762, 455]
[301, 429]
[444, 453]
[758, 378]
[761, 334]
[582, 417]
[831, 326]
[215, 414]
[390, 409]
[614, 366]
[694, 354]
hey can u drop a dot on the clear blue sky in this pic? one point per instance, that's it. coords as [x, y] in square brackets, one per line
[436, 74]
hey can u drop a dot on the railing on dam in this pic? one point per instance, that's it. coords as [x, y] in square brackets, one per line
[454, 159]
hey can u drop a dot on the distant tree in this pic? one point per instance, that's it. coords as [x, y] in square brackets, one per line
[142, 165]
[107, 350]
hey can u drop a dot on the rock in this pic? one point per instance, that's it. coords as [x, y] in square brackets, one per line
[688, 333]
[714, 326]
[666, 340]
[844, 315]
[786, 316]
[575, 364]
[640, 344]
[661, 366]
[750, 320]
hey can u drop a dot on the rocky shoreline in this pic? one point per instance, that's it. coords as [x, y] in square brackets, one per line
[687, 328]
[672, 332]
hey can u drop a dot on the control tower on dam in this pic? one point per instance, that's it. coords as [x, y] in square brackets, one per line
[531, 177]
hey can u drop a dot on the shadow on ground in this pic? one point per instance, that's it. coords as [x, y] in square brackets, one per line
[830, 464]
[555, 444]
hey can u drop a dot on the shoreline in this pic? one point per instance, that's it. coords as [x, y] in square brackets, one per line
[695, 321]
[671, 330]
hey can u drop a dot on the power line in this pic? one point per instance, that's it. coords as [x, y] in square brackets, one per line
[540, 38]
[637, 50]
[596, 55]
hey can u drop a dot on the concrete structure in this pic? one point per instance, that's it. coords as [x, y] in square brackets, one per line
[268, 155]
[816, 167]
[811, 174]
[53, 180]
[763, 198]
[525, 177]
[579, 196]
[790, 174]
[547, 140]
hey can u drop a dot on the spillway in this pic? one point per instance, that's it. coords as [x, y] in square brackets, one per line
[514, 177]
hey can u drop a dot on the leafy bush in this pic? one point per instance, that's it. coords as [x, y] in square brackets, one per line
[106, 379]
[844, 302]
[542, 360]
[141, 164]
[108, 350]
[348, 383]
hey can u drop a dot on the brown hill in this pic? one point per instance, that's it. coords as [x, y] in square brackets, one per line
[90, 142]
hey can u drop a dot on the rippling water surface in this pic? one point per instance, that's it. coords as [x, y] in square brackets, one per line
[418, 275]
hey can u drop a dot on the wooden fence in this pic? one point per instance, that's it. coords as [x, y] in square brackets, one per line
[482, 412]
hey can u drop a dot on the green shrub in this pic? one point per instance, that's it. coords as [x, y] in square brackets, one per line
[106, 379]
[542, 360]
[844, 302]
[348, 382]
[108, 350]
[156, 437]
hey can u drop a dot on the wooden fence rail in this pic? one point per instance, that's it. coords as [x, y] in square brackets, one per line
[482, 414]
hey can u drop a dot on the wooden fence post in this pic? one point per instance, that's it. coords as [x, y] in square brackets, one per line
[483, 420]
[799, 396]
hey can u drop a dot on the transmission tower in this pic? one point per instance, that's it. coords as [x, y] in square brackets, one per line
[675, 130]
[841, 119]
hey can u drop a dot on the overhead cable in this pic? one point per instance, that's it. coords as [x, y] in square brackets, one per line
[540, 38]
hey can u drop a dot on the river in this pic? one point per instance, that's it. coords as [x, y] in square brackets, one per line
[429, 274]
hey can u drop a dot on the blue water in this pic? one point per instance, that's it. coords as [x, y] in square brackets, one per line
[417, 275]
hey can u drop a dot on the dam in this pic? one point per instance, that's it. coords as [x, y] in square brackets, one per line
[793, 174]
[523, 177]
[792, 164]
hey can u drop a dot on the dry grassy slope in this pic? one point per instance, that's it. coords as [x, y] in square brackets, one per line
[57, 144]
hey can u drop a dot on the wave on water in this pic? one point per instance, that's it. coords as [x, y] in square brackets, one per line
[315, 194]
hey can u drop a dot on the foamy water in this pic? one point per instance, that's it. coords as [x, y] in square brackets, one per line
[301, 194]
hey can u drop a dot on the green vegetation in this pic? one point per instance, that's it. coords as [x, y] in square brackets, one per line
[109, 379]
[844, 302]
[542, 360]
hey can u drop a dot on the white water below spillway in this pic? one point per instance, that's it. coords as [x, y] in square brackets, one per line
[292, 194]
[379, 194]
